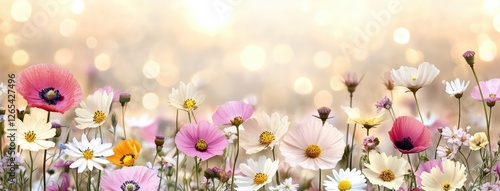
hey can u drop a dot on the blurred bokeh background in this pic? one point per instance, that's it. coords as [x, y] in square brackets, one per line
[283, 55]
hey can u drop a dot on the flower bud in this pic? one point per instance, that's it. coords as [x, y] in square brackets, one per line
[490, 103]
[114, 122]
[2, 110]
[159, 140]
[57, 126]
[323, 113]
[469, 57]
[124, 98]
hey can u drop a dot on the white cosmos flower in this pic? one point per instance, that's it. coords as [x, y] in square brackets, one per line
[93, 112]
[349, 179]
[89, 154]
[456, 87]
[32, 133]
[186, 98]
[451, 178]
[256, 174]
[263, 132]
[414, 78]
[287, 185]
[385, 170]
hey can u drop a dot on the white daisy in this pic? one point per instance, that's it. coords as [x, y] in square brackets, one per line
[287, 185]
[93, 112]
[32, 133]
[349, 179]
[449, 151]
[456, 88]
[90, 154]
[385, 170]
[263, 132]
[451, 178]
[256, 174]
[186, 98]
[413, 78]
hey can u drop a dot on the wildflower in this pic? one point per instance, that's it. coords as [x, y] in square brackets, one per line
[126, 153]
[456, 88]
[469, 57]
[490, 187]
[232, 113]
[49, 87]
[230, 133]
[130, 178]
[344, 180]
[351, 81]
[388, 82]
[451, 177]
[385, 170]
[287, 185]
[93, 112]
[385, 103]
[264, 132]
[202, 140]
[60, 185]
[414, 78]
[256, 174]
[32, 133]
[478, 141]
[490, 90]
[367, 122]
[448, 151]
[409, 135]
[323, 113]
[186, 98]
[124, 98]
[370, 143]
[89, 154]
[313, 146]
[426, 167]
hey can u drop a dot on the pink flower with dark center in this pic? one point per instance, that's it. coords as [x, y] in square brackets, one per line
[202, 140]
[130, 178]
[490, 89]
[49, 87]
[232, 113]
[409, 135]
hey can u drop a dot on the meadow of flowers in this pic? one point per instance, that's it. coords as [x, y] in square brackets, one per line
[95, 151]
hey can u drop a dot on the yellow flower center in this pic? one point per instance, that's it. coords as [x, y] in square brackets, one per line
[99, 116]
[237, 121]
[266, 138]
[190, 104]
[260, 178]
[387, 175]
[88, 154]
[313, 151]
[493, 95]
[128, 159]
[414, 79]
[201, 145]
[446, 186]
[344, 185]
[30, 136]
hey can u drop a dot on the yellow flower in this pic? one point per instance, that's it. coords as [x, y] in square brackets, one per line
[478, 141]
[126, 152]
[354, 116]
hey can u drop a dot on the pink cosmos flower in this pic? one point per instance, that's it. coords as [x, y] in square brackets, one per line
[490, 89]
[202, 140]
[426, 167]
[61, 185]
[497, 168]
[49, 87]
[232, 113]
[130, 178]
[409, 135]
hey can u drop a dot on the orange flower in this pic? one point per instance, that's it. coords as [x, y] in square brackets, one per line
[126, 152]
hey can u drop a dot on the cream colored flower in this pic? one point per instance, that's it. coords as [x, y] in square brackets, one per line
[478, 141]
[32, 133]
[386, 170]
[263, 132]
[451, 178]
[93, 112]
[414, 78]
[186, 98]
[354, 116]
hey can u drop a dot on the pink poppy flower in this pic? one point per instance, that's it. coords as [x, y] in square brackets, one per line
[426, 167]
[130, 178]
[409, 135]
[490, 89]
[232, 113]
[202, 140]
[49, 87]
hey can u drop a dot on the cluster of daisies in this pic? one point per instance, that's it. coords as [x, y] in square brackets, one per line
[96, 154]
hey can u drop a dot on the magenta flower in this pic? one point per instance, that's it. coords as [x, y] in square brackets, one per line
[497, 168]
[130, 178]
[62, 183]
[385, 103]
[426, 167]
[409, 135]
[490, 89]
[49, 87]
[202, 140]
[232, 113]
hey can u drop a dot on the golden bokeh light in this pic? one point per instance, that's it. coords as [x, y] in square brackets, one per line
[91, 42]
[20, 57]
[67, 27]
[150, 101]
[253, 57]
[63, 56]
[414, 56]
[77, 6]
[151, 69]
[322, 59]
[323, 98]
[102, 62]
[487, 50]
[21, 10]
[282, 53]
[402, 36]
[303, 86]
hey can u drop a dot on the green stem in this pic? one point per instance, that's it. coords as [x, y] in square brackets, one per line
[459, 113]
[99, 180]
[176, 151]
[161, 178]
[76, 181]
[197, 173]
[44, 161]
[233, 170]
[192, 113]
[437, 145]
[89, 180]
[124, 108]
[418, 106]
[413, 180]
[484, 104]
[277, 172]
[347, 145]
[351, 152]
[31, 171]
[319, 182]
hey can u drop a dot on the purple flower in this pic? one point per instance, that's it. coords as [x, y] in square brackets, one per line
[232, 113]
[490, 89]
[202, 140]
[61, 185]
[385, 103]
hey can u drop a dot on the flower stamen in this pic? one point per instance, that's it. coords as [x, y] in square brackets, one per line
[190, 104]
[30, 136]
[266, 138]
[387, 175]
[88, 154]
[344, 185]
[201, 145]
[99, 116]
[313, 151]
[260, 178]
